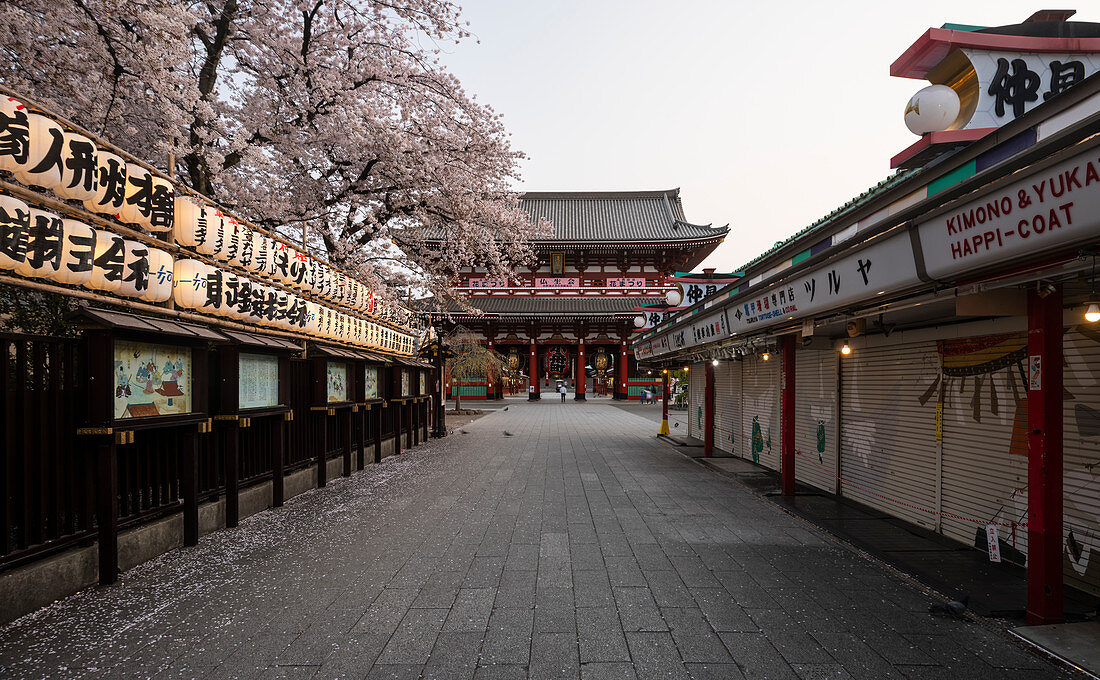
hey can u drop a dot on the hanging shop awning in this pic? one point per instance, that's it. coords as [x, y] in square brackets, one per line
[146, 324]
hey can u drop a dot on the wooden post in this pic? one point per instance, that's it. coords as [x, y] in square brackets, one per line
[708, 409]
[1044, 467]
[416, 422]
[322, 455]
[347, 449]
[377, 410]
[189, 484]
[278, 456]
[664, 403]
[620, 384]
[362, 438]
[534, 392]
[579, 390]
[786, 405]
[397, 408]
[107, 510]
[230, 438]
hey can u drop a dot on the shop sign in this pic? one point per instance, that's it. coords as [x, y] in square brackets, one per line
[337, 381]
[487, 283]
[1049, 209]
[626, 283]
[557, 282]
[370, 382]
[1011, 84]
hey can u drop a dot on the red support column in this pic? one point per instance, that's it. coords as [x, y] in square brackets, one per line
[786, 406]
[708, 409]
[1044, 457]
[620, 386]
[533, 391]
[664, 403]
[578, 392]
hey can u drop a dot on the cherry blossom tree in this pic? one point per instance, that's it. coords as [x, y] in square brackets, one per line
[327, 115]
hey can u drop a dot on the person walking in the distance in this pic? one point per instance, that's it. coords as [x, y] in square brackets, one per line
[562, 391]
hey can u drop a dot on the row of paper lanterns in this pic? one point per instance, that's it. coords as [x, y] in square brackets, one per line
[38, 244]
[212, 290]
[39, 152]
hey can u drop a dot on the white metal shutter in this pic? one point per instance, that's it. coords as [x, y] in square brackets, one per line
[696, 385]
[815, 418]
[887, 438]
[727, 408]
[1081, 462]
[984, 468]
[760, 410]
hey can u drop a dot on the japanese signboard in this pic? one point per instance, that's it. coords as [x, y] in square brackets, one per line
[487, 283]
[626, 283]
[370, 382]
[1011, 84]
[557, 282]
[337, 376]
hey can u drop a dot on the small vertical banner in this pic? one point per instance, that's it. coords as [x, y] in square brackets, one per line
[994, 543]
[939, 421]
[1035, 373]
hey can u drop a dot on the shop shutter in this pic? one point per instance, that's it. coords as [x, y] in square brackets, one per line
[815, 418]
[984, 468]
[1081, 462]
[888, 439]
[760, 410]
[696, 383]
[727, 408]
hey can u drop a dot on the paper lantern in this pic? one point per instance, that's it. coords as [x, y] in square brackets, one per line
[214, 234]
[192, 221]
[313, 318]
[150, 200]
[932, 109]
[261, 253]
[298, 271]
[135, 278]
[248, 249]
[109, 263]
[15, 218]
[42, 255]
[16, 133]
[229, 294]
[44, 157]
[79, 168]
[226, 239]
[110, 190]
[160, 276]
[77, 253]
[190, 283]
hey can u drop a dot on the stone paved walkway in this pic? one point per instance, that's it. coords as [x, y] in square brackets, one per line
[578, 547]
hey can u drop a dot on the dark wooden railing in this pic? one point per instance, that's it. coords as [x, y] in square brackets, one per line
[48, 475]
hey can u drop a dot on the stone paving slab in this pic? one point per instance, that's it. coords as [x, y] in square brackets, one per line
[580, 547]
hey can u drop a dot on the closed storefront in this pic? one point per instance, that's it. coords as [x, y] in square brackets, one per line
[815, 418]
[760, 413]
[984, 468]
[728, 435]
[888, 431]
[1081, 439]
[696, 385]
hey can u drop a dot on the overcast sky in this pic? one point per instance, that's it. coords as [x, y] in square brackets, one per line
[767, 115]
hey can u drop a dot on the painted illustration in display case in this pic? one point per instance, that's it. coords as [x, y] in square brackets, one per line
[404, 382]
[370, 374]
[337, 381]
[423, 382]
[151, 380]
[258, 382]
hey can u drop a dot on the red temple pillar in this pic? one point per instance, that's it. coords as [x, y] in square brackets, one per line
[1044, 457]
[533, 391]
[620, 386]
[786, 405]
[578, 392]
[708, 409]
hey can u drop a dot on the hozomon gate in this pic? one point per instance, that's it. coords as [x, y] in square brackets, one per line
[216, 369]
[570, 316]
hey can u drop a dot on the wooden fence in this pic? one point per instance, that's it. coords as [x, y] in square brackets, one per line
[50, 478]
